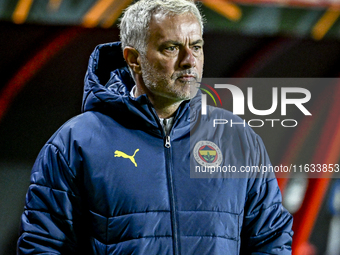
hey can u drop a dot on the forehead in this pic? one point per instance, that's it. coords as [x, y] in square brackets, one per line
[174, 27]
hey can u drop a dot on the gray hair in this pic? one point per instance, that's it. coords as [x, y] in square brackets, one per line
[134, 25]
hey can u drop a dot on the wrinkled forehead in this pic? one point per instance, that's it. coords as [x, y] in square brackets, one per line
[174, 26]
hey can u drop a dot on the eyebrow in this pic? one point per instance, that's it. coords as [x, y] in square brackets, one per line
[199, 41]
[176, 43]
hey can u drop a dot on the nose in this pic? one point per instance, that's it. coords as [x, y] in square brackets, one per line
[187, 59]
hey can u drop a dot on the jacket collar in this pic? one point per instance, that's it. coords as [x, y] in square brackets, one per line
[107, 89]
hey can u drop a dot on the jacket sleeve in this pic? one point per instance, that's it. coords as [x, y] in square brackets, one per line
[50, 221]
[267, 225]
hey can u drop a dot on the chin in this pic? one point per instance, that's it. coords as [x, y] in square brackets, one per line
[193, 91]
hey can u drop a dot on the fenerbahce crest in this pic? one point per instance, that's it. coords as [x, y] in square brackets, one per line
[207, 153]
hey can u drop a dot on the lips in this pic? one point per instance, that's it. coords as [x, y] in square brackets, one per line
[187, 78]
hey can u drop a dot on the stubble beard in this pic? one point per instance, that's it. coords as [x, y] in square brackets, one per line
[162, 85]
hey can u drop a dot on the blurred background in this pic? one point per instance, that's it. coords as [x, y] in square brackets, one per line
[45, 45]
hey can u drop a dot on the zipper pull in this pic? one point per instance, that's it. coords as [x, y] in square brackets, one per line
[167, 142]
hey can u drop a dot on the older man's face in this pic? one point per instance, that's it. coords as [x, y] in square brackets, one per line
[174, 57]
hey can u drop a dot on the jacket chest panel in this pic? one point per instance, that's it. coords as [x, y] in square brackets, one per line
[129, 192]
[129, 176]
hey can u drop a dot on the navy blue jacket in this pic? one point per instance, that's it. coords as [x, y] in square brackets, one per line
[105, 183]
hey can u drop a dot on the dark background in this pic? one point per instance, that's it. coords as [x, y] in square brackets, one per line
[54, 94]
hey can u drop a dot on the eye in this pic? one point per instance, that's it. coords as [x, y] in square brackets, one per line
[196, 47]
[171, 48]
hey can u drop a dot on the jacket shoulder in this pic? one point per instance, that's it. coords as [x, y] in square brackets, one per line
[79, 129]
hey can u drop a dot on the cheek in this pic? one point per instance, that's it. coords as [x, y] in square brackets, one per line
[166, 63]
[162, 65]
[200, 63]
[165, 68]
[200, 59]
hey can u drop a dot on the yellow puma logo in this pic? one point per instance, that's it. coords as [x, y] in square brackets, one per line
[124, 155]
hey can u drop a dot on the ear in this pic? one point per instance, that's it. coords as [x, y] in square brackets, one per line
[132, 58]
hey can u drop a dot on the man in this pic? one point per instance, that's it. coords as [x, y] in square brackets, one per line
[116, 179]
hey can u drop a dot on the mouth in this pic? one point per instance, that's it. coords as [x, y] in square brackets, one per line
[187, 78]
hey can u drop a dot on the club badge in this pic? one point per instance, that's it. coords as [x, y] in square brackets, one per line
[207, 153]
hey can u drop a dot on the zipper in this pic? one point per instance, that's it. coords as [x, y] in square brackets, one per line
[167, 142]
[173, 209]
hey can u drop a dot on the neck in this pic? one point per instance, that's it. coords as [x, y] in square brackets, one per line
[164, 107]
